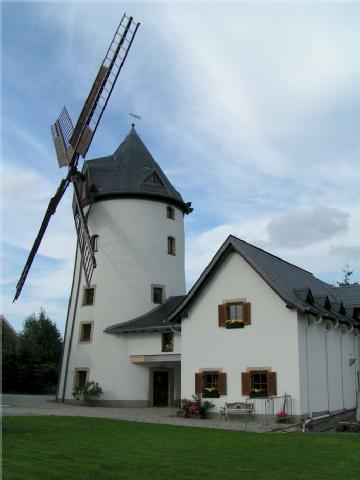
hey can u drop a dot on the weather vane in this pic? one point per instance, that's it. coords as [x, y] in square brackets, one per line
[134, 116]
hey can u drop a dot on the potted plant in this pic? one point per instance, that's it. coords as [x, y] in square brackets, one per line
[88, 392]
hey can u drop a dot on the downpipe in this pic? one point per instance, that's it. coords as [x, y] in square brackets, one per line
[309, 325]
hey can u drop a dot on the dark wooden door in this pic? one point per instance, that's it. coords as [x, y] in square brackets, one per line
[161, 389]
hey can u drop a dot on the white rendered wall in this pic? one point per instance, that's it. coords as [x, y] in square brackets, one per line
[132, 256]
[328, 381]
[270, 340]
[150, 344]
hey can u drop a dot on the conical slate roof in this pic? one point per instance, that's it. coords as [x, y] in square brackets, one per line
[131, 172]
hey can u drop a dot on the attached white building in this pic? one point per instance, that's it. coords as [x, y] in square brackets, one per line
[253, 326]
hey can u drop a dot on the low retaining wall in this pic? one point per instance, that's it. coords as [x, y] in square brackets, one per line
[328, 422]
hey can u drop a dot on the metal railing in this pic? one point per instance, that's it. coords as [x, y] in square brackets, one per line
[267, 408]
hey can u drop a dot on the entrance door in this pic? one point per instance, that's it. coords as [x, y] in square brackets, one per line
[161, 389]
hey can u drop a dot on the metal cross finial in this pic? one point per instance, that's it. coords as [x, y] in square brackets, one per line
[135, 116]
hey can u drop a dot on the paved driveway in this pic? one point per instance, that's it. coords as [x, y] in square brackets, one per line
[46, 405]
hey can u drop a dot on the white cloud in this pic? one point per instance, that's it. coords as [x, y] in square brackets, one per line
[236, 106]
[301, 228]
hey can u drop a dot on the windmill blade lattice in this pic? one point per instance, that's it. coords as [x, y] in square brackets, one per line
[103, 86]
[72, 142]
[62, 131]
[84, 241]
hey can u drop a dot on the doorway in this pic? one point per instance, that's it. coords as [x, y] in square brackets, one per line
[160, 388]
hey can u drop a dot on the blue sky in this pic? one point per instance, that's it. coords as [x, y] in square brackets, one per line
[251, 109]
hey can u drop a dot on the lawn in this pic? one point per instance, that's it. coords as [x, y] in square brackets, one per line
[54, 448]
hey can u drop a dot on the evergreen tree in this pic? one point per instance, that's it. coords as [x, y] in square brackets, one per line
[39, 354]
[9, 359]
[347, 277]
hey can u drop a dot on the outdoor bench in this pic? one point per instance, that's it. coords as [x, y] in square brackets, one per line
[237, 408]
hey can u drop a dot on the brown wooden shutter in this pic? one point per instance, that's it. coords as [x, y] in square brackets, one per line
[246, 313]
[271, 380]
[222, 314]
[245, 383]
[198, 383]
[222, 383]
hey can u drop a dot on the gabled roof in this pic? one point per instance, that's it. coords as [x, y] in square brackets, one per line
[156, 319]
[349, 295]
[131, 172]
[297, 287]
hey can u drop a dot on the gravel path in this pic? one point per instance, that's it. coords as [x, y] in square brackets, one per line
[20, 405]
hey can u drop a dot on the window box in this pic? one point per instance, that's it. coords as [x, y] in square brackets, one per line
[234, 324]
[210, 393]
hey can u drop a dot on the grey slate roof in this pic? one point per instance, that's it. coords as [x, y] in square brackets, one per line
[153, 320]
[349, 295]
[290, 282]
[128, 173]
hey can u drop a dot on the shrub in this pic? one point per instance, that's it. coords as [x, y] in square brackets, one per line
[89, 392]
[195, 407]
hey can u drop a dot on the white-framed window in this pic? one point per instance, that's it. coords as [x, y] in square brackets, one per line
[157, 293]
[94, 242]
[88, 296]
[167, 342]
[81, 377]
[86, 331]
[170, 212]
[171, 248]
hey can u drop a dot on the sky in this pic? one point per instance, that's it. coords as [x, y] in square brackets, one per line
[252, 109]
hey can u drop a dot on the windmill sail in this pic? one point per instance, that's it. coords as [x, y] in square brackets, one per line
[84, 242]
[54, 202]
[71, 142]
[62, 131]
[103, 85]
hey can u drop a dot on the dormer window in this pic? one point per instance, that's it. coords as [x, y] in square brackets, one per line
[153, 178]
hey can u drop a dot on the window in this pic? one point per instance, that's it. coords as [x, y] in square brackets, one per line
[171, 245]
[210, 384]
[167, 340]
[94, 242]
[234, 311]
[153, 178]
[157, 294]
[89, 295]
[234, 314]
[258, 383]
[170, 213]
[85, 332]
[80, 377]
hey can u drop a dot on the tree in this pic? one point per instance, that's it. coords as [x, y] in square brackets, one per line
[346, 280]
[39, 354]
[9, 344]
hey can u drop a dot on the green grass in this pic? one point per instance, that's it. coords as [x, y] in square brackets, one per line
[54, 448]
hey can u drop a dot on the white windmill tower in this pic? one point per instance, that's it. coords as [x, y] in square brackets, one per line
[136, 221]
[130, 251]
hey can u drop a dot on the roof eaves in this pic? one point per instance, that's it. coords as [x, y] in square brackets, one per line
[152, 328]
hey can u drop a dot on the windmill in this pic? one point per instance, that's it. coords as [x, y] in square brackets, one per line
[72, 142]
